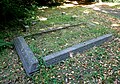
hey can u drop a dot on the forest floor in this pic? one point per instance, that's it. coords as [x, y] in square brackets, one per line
[99, 65]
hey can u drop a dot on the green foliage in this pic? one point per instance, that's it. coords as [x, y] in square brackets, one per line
[13, 9]
[48, 2]
[111, 1]
[116, 1]
[4, 44]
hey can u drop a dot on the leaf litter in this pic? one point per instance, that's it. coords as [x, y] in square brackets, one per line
[97, 65]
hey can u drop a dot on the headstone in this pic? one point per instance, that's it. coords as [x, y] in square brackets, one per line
[71, 51]
[30, 62]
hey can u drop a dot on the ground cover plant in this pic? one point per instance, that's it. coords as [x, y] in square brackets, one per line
[97, 65]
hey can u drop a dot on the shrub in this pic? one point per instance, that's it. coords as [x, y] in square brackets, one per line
[13, 9]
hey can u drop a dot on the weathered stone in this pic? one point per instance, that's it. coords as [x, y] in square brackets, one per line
[30, 62]
[71, 51]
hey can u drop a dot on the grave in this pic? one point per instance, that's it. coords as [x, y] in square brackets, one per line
[30, 62]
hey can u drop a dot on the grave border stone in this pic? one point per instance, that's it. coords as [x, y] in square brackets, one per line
[57, 57]
[29, 61]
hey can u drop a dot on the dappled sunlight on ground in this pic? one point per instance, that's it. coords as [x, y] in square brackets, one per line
[103, 4]
[75, 3]
[67, 5]
[99, 62]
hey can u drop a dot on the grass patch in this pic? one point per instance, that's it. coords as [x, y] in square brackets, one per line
[116, 7]
[100, 64]
[56, 41]
[97, 65]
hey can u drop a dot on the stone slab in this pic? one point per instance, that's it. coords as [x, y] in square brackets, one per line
[52, 30]
[71, 51]
[29, 61]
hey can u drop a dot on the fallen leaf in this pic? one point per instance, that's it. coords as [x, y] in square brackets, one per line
[115, 25]
[96, 22]
[86, 12]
